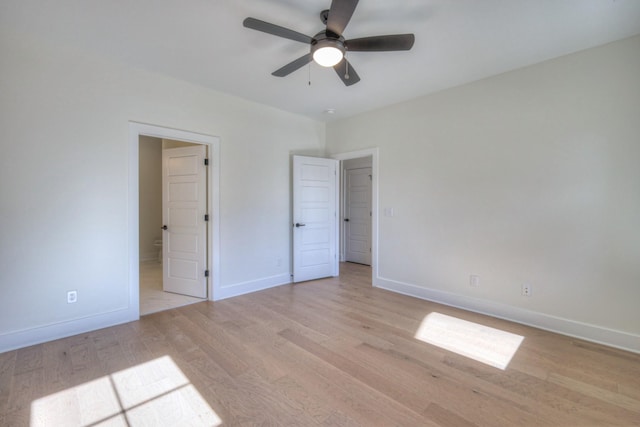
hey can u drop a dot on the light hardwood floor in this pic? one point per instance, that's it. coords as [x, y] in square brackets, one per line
[327, 352]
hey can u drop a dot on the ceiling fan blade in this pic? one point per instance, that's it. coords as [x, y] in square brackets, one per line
[276, 30]
[293, 66]
[347, 75]
[381, 43]
[340, 14]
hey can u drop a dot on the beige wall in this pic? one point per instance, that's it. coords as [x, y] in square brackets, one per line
[170, 143]
[527, 177]
[362, 162]
[150, 192]
[150, 196]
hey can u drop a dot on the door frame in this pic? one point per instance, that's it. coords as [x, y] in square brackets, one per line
[213, 205]
[374, 153]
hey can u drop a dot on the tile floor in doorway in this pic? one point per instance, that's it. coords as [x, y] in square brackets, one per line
[152, 297]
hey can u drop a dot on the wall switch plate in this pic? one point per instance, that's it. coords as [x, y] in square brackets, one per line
[389, 212]
[72, 296]
[526, 290]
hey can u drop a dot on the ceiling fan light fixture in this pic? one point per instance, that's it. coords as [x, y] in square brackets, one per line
[326, 51]
[328, 56]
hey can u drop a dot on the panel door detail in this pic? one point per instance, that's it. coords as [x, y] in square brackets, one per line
[314, 218]
[184, 204]
[357, 215]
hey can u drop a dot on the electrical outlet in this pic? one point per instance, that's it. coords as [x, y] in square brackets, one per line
[526, 290]
[474, 281]
[72, 296]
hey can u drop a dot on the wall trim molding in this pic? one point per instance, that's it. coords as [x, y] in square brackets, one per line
[593, 333]
[253, 286]
[40, 334]
[588, 332]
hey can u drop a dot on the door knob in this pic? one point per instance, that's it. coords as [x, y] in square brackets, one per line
[299, 225]
[164, 227]
[346, 220]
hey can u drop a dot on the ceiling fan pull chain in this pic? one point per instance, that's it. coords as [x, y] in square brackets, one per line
[309, 73]
[346, 63]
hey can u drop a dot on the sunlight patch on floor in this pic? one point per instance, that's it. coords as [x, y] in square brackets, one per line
[481, 343]
[154, 393]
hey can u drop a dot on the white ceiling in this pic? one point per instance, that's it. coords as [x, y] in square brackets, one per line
[204, 42]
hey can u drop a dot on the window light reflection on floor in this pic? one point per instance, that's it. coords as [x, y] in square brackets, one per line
[481, 343]
[153, 393]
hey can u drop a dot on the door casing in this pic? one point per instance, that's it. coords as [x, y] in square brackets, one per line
[213, 202]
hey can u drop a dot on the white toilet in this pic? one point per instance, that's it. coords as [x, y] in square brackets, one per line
[158, 244]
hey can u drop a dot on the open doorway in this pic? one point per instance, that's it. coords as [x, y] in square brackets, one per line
[319, 233]
[171, 276]
[148, 251]
[363, 165]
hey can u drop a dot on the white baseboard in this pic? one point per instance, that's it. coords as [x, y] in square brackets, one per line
[14, 340]
[24, 338]
[572, 328]
[613, 338]
[251, 286]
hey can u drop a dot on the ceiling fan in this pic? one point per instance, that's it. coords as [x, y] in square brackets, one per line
[328, 47]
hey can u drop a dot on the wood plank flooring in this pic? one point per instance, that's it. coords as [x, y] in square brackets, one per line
[332, 352]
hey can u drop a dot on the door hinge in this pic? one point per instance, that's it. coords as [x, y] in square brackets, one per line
[206, 273]
[206, 217]
[206, 162]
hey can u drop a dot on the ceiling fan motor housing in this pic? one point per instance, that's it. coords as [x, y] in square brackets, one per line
[324, 16]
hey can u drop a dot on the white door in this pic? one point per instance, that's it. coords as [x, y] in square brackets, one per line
[357, 215]
[184, 204]
[314, 218]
